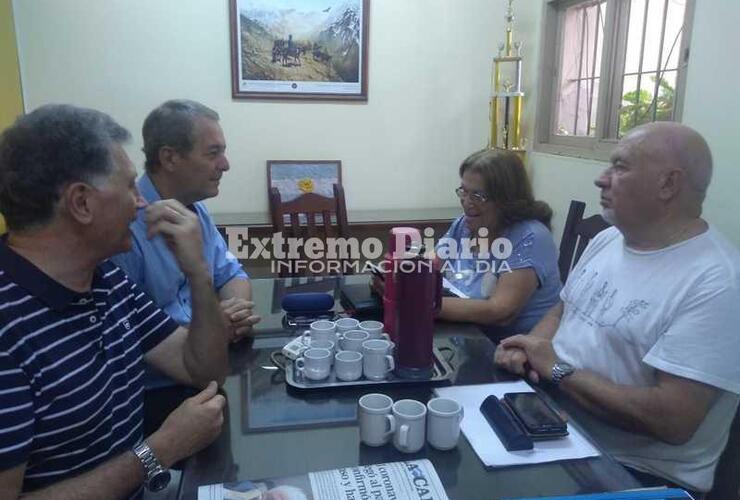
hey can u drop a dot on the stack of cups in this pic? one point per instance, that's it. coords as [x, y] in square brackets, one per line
[408, 422]
[356, 349]
[374, 350]
[317, 359]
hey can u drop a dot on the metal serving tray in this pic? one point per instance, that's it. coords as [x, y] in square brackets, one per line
[442, 372]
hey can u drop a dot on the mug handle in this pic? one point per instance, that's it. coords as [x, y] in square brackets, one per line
[403, 436]
[278, 359]
[300, 366]
[305, 338]
[385, 336]
[391, 364]
[391, 425]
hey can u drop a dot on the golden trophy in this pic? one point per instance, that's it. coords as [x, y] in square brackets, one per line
[506, 92]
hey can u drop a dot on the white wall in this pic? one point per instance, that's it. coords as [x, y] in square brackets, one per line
[429, 80]
[429, 74]
[711, 106]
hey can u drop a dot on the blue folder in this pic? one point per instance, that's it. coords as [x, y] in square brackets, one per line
[659, 494]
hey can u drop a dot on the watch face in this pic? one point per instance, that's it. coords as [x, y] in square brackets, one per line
[566, 367]
[159, 481]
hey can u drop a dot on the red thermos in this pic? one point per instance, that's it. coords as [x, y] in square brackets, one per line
[418, 289]
[401, 238]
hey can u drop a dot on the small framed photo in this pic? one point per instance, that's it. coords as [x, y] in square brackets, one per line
[299, 49]
[294, 178]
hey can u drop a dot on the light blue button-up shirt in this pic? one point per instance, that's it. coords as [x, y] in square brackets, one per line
[152, 266]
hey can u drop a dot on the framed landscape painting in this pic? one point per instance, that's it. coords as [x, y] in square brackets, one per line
[299, 49]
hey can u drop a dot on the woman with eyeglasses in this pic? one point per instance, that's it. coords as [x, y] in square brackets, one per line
[500, 253]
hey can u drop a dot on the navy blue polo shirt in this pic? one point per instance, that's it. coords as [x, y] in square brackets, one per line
[71, 368]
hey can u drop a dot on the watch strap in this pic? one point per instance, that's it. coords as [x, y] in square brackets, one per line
[152, 467]
[560, 370]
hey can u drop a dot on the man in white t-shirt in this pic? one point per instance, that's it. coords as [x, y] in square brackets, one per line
[645, 338]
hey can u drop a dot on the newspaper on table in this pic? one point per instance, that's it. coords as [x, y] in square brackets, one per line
[412, 480]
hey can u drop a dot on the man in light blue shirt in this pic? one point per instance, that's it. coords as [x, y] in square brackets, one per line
[185, 159]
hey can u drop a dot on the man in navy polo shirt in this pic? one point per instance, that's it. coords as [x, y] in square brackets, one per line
[75, 332]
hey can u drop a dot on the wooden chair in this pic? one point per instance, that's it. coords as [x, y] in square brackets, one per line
[310, 215]
[576, 235]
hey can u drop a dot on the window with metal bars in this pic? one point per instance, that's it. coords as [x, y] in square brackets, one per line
[609, 66]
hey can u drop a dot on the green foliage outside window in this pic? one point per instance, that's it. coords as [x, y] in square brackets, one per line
[637, 109]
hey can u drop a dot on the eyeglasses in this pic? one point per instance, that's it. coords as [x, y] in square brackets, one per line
[474, 196]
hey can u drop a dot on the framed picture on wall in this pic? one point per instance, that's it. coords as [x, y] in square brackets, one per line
[299, 49]
[294, 178]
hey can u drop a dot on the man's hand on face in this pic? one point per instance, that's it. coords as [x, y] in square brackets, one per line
[240, 317]
[539, 354]
[180, 229]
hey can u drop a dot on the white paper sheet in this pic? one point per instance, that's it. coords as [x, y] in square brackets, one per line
[486, 443]
[452, 288]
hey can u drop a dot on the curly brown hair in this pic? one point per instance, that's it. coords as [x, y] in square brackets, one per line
[507, 186]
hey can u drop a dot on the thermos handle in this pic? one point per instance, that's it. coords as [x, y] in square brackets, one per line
[438, 293]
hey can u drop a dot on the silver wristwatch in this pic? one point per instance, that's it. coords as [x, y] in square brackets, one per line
[560, 370]
[157, 478]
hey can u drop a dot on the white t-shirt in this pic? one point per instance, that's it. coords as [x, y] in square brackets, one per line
[628, 313]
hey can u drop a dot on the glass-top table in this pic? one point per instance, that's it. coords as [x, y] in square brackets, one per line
[272, 430]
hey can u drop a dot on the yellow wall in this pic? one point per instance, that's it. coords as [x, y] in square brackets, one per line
[11, 102]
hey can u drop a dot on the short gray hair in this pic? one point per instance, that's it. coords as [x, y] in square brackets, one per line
[48, 149]
[171, 124]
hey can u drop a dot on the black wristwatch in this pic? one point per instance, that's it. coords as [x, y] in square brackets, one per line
[157, 478]
[560, 370]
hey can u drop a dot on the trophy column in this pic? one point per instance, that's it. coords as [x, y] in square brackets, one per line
[507, 93]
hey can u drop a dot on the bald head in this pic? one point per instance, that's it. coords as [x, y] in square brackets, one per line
[669, 145]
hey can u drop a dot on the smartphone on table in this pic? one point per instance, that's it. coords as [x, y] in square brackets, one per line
[537, 417]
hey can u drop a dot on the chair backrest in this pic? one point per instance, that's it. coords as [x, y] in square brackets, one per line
[576, 235]
[310, 215]
[307, 216]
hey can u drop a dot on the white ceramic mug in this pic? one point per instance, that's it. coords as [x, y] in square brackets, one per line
[314, 363]
[376, 422]
[373, 328]
[376, 362]
[320, 330]
[443, 422]
[410, 423]
[347, 324]
[348, 365]
[324, 344]
[352, 340]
